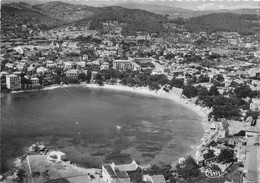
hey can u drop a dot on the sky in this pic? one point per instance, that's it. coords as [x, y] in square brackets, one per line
[187, 4]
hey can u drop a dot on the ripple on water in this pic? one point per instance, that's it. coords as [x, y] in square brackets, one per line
[151, 128]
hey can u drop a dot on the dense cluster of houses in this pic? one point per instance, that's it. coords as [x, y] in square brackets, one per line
[245, 147]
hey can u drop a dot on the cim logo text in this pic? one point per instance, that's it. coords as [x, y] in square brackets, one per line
[212, 173]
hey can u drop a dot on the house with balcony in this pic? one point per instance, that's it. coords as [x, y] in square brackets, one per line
[35, 82]
[112, 173]
[50, 64]
[13, 82]
[122, 64]
[41, 70]
[73, 73]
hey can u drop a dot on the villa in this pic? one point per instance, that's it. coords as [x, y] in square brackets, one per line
[13, 82]
[122, 64]
[120, 173]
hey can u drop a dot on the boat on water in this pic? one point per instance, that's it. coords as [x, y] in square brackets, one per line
[118, 127]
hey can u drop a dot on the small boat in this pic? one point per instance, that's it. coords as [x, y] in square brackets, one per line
[118, 127]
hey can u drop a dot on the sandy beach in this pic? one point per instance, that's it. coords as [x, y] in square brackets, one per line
[160, 93]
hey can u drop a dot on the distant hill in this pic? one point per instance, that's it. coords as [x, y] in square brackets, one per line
[236, 11]
[135, 19]
[159, 9]
[65, 11]
[175, 12]
[58, 13]
[22, 13]
[244, 23]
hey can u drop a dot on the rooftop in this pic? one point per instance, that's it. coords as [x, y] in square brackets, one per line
[251, 164]
[122, 174]
[110, 170]
[127, 167]
[158, 179]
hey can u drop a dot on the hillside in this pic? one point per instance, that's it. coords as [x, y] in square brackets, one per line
[159, 9]
[58, 13]
[65, 11]
[244, 24]
[135, 19]
[175, 12]
[21, 13]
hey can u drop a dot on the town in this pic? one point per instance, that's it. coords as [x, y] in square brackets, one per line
[219, 72]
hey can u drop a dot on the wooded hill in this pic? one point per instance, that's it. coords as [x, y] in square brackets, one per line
[243, 24]
[58, 13]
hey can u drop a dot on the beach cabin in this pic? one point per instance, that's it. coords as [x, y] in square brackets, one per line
[56, 156]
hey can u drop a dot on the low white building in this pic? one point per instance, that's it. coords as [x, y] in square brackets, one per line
[56, 156]
[68, 65]
[50, 63]
[118, 173]
[72, 73]
[35, 82]
[255, 104]
[154, 179]
[81, 64]
[105, 65]
[41, 70]
[9, 65]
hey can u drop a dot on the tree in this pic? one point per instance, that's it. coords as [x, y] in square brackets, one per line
[189, 91]
[178, 83]
[154, 170]
[203, 91]
[82, 77]
[188, 169]
[226, 156]
[213, 90]
[154, 86]
[89, 75]
[243, 91]
[203, 79]
[254, 114]
[209, 155]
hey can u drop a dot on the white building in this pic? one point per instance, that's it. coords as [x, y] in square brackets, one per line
[41, 70]
[105, 65]
[118, 173]
[13, 82]
[82, 64]
[122, 64]
[154, 179]
[56, 156]
[72, 73]
[35, 82]
[50, 63]
[255, 104]
[68, 65]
